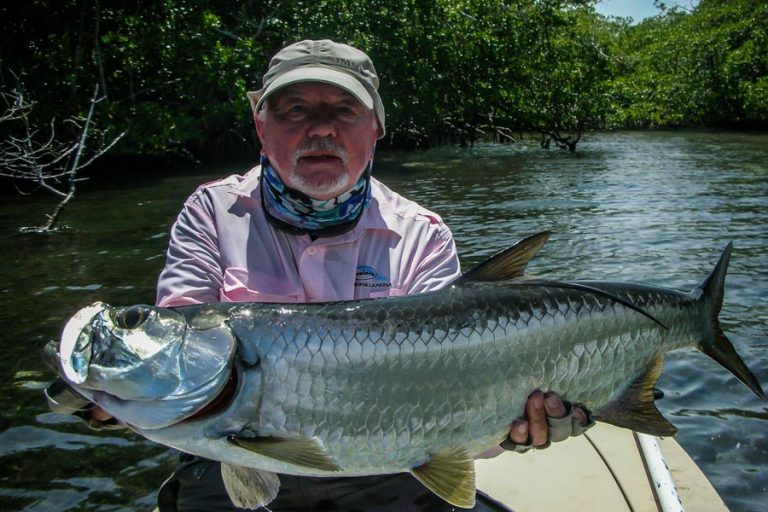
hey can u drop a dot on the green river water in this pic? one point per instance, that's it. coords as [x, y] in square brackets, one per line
[651, 207]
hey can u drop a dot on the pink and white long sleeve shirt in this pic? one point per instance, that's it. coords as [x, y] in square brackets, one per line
[223, 249]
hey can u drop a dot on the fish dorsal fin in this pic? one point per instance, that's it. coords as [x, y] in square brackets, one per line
[249, 488]
[509, 263]
[635, 408]
[450, 475]
[308, 452]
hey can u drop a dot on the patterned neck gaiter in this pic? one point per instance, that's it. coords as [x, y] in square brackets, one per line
[289, 210]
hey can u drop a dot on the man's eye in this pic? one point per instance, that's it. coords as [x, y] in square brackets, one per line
[294, 112]
[346, 113]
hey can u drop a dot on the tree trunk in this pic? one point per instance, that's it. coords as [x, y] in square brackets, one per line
[54, 217]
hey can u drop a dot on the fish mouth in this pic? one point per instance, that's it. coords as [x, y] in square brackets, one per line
[75, 348]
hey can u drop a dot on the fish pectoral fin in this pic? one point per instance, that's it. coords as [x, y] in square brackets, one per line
[308, 452]
[635, 408]
[249, 488]
[450, 475]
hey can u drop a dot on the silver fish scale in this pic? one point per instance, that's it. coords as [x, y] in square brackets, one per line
[384, 384]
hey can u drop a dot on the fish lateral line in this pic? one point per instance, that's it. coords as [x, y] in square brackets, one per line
[509, 265]
[569, 285]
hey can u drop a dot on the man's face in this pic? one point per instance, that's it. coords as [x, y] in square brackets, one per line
[318, 137]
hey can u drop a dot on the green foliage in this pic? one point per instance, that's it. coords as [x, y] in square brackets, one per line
[703, 68]
[176, 71]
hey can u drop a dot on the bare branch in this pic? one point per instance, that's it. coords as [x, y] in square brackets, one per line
[53, 161]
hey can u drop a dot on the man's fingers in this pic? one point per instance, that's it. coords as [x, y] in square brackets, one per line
[537, 418]
[547, 419]
[99, 414]
[519, 432]
[554, 406]
[580, 415]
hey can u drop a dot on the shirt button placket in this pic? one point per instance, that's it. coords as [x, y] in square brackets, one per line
[312, 273]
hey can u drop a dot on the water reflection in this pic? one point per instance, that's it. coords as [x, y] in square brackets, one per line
[652, 207]
[24, 438]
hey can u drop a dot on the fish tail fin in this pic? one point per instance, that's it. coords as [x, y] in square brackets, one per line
[717, 345]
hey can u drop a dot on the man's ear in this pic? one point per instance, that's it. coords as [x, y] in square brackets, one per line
[259, 122]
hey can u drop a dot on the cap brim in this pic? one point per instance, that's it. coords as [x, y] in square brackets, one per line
[313, 74]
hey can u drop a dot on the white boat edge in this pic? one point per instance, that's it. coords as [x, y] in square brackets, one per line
[603, 470]
[657, 469]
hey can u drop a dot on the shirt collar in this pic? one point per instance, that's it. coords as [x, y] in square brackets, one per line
[249, 185]
[372, 217]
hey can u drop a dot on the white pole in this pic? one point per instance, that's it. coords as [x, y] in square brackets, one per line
[664, 487]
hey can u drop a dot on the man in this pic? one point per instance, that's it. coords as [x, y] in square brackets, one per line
[311, 224]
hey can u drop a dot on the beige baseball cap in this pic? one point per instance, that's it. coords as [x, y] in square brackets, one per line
[327, 62]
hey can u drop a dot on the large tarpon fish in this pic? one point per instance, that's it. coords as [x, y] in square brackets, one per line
[414, 384]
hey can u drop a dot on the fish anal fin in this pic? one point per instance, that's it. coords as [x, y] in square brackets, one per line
[508, 264]
[450, 475]
[635, 408]
[307, 452]
[249, 488]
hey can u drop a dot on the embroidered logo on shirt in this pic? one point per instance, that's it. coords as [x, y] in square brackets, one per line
[368, 277]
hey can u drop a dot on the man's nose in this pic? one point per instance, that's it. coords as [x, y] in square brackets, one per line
[322, 124]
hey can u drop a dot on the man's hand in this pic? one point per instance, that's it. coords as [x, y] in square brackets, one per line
[533, 428]
[99, 414]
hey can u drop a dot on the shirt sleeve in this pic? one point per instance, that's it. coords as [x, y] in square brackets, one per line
[439, 266]
[193, 268]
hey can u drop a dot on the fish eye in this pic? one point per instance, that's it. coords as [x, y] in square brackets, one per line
[132, 317]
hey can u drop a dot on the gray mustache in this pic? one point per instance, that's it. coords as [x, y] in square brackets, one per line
[322, 145]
